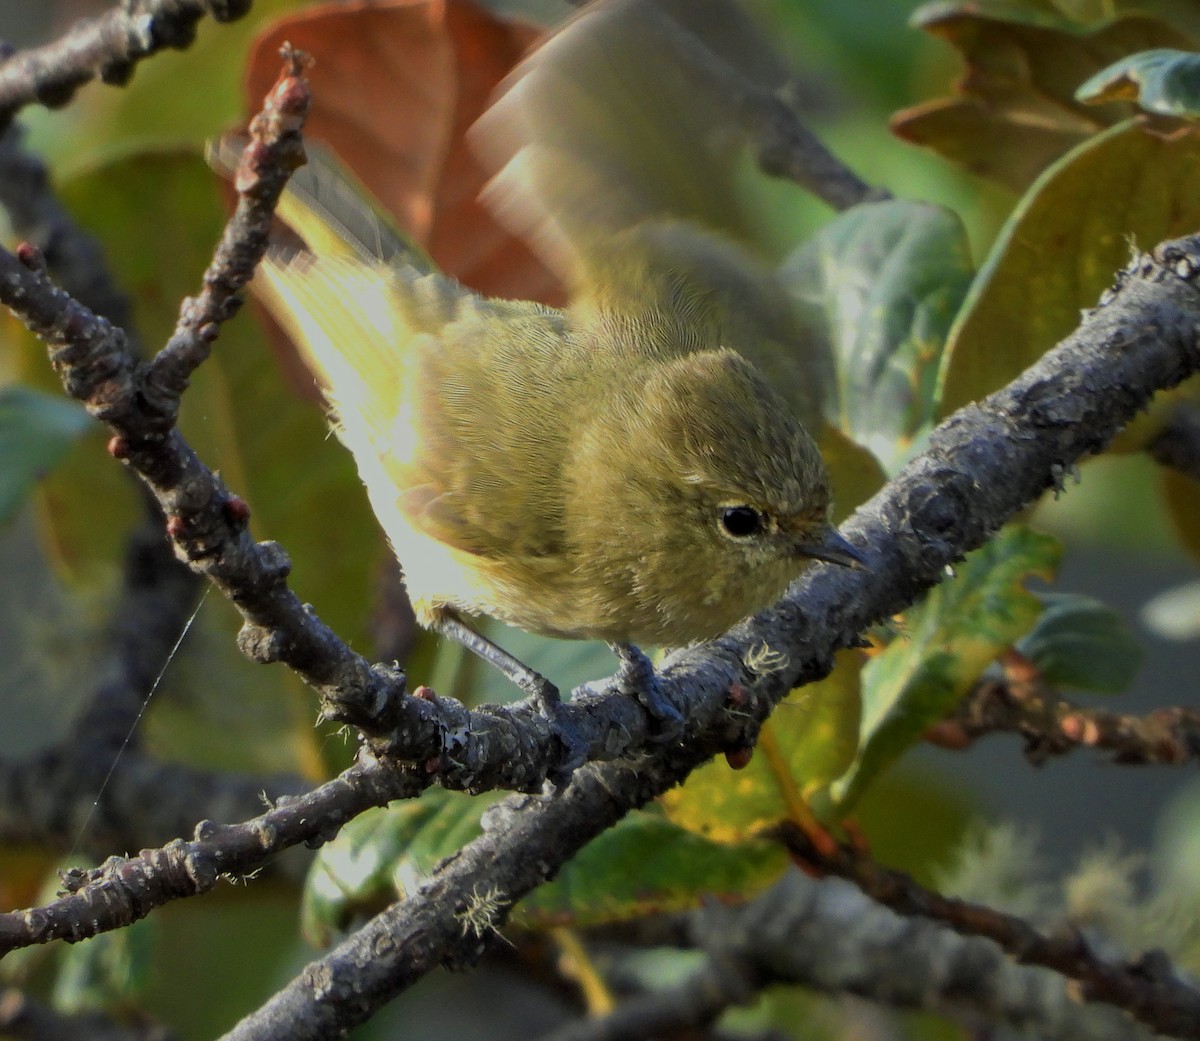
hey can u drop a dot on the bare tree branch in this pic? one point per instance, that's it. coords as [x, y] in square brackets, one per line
[1149, 988]
[23, 1019]
[124, 889]
[826, 935]
[109, 47]
[1054, 726]
[273, 153]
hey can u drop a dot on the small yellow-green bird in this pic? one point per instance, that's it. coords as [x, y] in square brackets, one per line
[618, 470]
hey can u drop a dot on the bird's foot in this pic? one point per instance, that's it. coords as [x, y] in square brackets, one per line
[544, 693]
[550, 705]
[637, 679]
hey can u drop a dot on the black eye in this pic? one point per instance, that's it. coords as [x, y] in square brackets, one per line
[741, 521]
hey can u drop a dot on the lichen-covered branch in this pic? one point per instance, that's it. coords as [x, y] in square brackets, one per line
[124, 889]
[983, 465]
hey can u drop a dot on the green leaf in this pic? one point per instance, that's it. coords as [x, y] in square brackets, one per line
[883, 282]
[948, 640]
[649, 865]
[106, 972]
[644, 864]
[384, 854]
[1163, 81]
[1061, 247]
[809, 742]
[1080, 642]
[36, 430]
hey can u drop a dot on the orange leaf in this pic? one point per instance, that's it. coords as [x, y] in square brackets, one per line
[396, 85]
[1014, 110]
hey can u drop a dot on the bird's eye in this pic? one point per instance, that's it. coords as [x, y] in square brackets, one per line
[742, 521]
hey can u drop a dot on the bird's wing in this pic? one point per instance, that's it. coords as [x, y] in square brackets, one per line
[622, 116]
[620, 155]
[404, 356]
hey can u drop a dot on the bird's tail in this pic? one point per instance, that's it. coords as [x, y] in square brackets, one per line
[350, 290]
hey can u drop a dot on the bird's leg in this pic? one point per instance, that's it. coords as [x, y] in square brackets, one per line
[521, 675]
[636, 678]
[516, 671]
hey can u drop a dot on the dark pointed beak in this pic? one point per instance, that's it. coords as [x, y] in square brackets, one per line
[833, 549]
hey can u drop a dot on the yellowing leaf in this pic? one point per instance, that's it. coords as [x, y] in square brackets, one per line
[1015, 109]
[947, 642]
[815, 737]
[648, 865]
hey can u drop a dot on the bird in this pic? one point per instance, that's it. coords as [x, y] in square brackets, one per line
[619, 469]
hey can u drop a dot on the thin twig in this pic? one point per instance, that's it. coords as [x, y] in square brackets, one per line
[1148, 988]
[122, 890]
[273, 153]
[109, 47]
[1021, 701]
[1054, 726]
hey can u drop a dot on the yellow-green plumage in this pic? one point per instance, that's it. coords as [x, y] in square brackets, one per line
[568, 472]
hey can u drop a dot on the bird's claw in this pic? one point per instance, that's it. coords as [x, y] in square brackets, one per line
[637, 679]
[549, 703]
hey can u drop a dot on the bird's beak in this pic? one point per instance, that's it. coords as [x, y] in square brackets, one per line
[834, 550]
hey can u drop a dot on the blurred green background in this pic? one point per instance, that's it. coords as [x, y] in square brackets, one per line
[57, 568]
